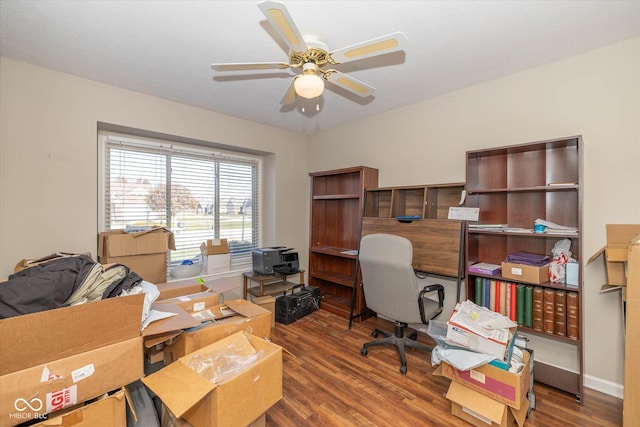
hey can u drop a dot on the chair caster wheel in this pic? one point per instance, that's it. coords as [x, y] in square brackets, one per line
[403, 370]
[363, 351]
[374, 334]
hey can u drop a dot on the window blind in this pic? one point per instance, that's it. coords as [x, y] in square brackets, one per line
[196, 193]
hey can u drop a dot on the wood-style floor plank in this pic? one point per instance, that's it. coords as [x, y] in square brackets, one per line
[327, 382]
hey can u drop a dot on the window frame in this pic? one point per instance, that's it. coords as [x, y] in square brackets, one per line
[239, 262]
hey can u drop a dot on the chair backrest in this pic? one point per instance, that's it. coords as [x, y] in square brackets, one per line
[388, 279]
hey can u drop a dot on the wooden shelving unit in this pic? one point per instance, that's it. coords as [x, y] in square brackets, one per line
[426, 201]
[336, 215]
[516, 185]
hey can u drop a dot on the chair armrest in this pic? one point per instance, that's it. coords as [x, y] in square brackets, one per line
[431, 288]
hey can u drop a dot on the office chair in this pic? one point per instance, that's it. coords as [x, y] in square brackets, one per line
[392, 291]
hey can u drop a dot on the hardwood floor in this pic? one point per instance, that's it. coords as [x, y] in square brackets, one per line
[327, 382]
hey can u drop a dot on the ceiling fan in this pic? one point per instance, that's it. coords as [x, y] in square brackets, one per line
[312, 56]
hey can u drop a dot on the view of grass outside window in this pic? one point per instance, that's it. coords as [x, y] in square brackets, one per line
[195, 193]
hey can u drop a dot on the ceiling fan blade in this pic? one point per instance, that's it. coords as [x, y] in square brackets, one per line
[385, 44]
[278, 15]
[250, 66]
[290, 95]
[349, 83]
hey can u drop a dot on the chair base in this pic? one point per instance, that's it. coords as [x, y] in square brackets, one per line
[397, 339]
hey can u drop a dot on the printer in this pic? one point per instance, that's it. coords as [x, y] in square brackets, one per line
[275, 260]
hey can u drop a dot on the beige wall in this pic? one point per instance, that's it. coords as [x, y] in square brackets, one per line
[48, 156]
[596, 95]
[48, 159]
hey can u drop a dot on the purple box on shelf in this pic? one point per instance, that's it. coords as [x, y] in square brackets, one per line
[485, 268]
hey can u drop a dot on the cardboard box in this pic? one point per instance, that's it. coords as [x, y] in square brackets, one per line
[57, 358]
[482, 411]
[218, 263]
[248, 317]
[145, 252]
[214, 247]
[268, 302]
[495, 383]
[616, 251]
[179, 288]
[238, 400]
[109, 411]
[525, 273]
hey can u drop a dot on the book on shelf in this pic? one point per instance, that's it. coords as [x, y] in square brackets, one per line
[494, 227]
[560, 323]
[537, 308]
[520, 304]
[485, 268]
[572, 315]
[528, 306]
[548, 315]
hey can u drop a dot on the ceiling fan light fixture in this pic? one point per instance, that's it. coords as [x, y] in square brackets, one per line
[309, 85]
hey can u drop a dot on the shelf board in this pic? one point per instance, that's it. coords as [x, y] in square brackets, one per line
[336, 196]
[545, 188]
[526, 234]
[273, 288]
[530, 331]
[559, 286]
[331, 250]
[329, 276]
[335, 304]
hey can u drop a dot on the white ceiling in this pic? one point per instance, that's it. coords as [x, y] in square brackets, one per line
[165, 48]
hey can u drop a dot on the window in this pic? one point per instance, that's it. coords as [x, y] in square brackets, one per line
[197, 193]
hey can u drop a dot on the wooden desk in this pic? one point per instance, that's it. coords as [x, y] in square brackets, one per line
[268, 284]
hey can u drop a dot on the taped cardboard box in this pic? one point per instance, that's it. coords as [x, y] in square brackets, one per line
[482, 411]
[108, 411]
[525, 273]
[215, 247]
[615, 253]
[57, 358]
[144, 252]
[498, 384]
[245, 316]
[238, 400]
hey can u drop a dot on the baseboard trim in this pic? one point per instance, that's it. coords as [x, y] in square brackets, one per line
[604, 386]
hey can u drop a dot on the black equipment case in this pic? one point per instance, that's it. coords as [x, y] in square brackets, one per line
[290, 308]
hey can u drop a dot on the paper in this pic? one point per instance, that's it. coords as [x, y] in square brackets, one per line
[156, 315]
[465, 214]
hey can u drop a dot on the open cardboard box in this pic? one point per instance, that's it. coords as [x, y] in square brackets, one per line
[246, 316]
[105, 412]
[615, 253]
[237, 400]
[145, 252]
[482, 411]
[57, 358]
[500, 385]
[178, 288]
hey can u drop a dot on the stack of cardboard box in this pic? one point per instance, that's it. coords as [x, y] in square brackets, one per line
[72, 365]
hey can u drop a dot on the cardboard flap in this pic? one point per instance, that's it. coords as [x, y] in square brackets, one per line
[62, 332]
[521, 414]
[160, 338]
[178, 387]
[478, 403]
[246, 308]
[182, 320]
[596, 255]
